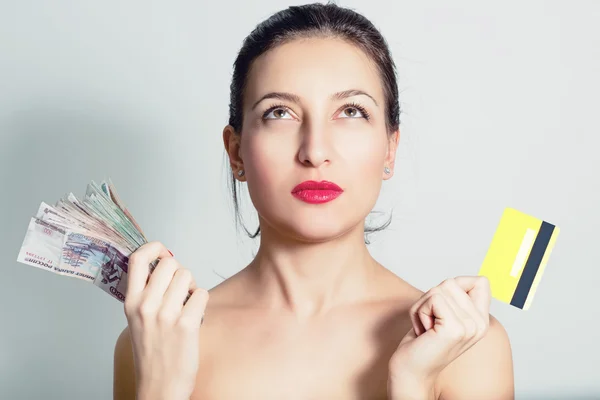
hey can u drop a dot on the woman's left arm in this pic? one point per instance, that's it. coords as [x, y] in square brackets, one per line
[456, 350]
[485, 371]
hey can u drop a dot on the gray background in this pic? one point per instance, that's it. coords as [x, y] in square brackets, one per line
[500, 109]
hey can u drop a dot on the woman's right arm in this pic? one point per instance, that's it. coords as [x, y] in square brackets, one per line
[124, 386]
[156, 357]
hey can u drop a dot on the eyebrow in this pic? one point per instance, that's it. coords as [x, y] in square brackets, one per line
[296, 99]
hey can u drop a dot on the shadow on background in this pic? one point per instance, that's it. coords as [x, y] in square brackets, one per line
[45, 153]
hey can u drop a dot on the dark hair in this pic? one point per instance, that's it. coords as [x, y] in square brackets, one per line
[307, 21]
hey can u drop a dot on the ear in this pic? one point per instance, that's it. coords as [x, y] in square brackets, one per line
[232, 142]
[390, 156]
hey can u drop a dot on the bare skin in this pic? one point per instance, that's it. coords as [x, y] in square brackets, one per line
[272, 353]
[314, 315]
[254, 351]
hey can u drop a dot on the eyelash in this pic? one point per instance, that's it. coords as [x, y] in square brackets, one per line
[360, 108]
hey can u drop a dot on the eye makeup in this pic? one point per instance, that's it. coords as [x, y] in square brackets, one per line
[363, 111]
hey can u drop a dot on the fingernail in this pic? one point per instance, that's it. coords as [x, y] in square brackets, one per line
[170, 252]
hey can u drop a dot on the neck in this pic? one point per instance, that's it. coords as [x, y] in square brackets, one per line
[309, 279]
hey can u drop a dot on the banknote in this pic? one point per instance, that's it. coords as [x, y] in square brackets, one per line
[89, 238]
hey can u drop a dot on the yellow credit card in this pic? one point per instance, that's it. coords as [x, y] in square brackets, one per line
[517, 257]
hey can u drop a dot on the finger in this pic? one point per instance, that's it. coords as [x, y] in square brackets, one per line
[437, 309]
[470, 318]
[193, 311]
[478, 289]
[447, 330]
[138, 266]
[418, 326]
[191, 290]
[423, 322]
[458, 299]
[426, 321]
[178, 290]
[161, 278]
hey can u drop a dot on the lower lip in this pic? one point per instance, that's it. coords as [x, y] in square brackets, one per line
[317, 196]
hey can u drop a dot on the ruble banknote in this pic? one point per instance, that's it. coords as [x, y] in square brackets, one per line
[90, 239]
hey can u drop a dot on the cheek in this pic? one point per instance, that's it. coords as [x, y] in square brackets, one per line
[267, 163]
[363, 160]
[262, 152]
[363, 156]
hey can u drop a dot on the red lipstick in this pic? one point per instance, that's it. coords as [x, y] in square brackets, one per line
[317, 192]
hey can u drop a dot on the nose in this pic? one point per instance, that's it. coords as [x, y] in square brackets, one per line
[315, 147]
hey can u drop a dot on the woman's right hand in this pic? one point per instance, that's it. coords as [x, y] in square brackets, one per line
[164, 331]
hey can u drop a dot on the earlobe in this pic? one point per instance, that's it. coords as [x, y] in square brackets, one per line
[387, 173]
[239, 173]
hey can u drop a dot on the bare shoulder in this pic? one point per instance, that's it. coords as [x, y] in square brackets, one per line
[124, 379]
[123, 373]
[485, 371]
[396, 287]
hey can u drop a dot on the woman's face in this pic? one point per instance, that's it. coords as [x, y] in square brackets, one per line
[308, 134]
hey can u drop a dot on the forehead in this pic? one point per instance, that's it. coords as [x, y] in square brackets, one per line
[313, 69]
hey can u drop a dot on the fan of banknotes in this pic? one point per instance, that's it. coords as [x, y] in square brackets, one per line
[89, 239]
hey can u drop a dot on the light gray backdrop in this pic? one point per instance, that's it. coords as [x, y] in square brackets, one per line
[500, 109]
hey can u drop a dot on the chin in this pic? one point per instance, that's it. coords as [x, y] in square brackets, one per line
[312, 228]
[318, 232]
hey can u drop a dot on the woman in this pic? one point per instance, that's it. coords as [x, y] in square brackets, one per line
[313, 132]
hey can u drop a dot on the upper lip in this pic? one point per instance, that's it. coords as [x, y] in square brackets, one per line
[314, 185]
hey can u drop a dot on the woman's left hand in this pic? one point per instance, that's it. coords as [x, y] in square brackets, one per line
[447, 321]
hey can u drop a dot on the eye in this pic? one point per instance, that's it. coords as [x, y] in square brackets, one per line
[279, 110]
[276, 109]
[357, 108]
